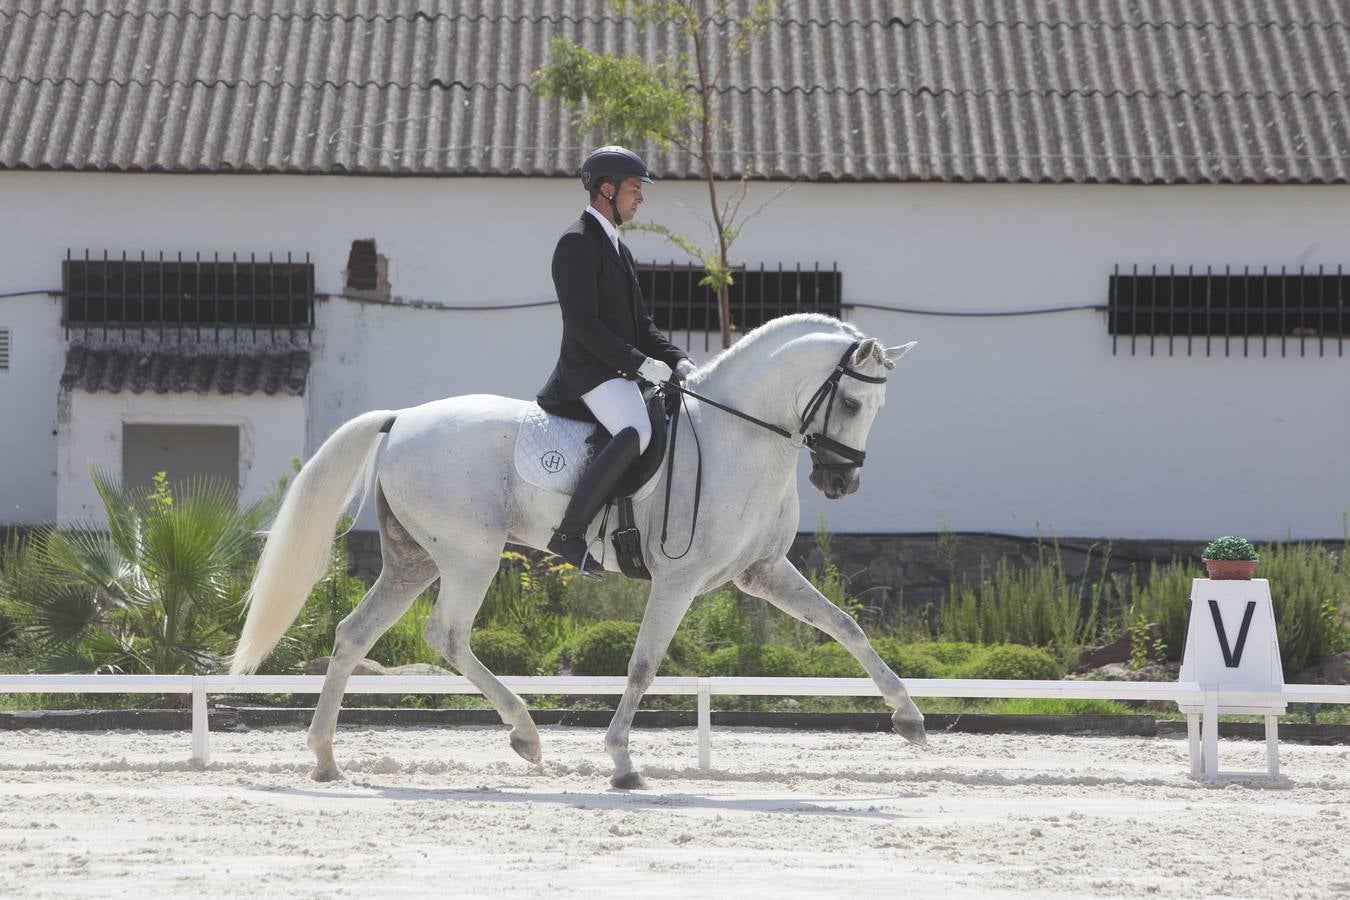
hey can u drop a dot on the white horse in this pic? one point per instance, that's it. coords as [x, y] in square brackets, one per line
[448, 499]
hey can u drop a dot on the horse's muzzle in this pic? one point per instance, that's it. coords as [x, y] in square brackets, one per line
[835, 482]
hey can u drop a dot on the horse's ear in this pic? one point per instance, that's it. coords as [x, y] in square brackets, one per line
[866, 350]
[894, 353]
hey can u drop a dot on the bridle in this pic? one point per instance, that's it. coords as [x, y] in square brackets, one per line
[817, 442]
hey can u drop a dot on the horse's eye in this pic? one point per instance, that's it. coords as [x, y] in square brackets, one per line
[852, 405]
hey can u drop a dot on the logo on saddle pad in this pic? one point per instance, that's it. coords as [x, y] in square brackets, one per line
[553, 461]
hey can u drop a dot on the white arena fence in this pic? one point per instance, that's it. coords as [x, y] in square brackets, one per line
[1202, 727]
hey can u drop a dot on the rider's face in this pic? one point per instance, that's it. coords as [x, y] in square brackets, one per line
[628, 199]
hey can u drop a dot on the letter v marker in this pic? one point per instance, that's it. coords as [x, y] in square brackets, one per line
[1232, 658]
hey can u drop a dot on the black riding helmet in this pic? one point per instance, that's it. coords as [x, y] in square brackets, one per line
[616, 163]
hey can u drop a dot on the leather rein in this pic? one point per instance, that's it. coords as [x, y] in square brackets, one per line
[817, 442]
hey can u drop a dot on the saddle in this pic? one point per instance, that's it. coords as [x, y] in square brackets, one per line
[552, 451]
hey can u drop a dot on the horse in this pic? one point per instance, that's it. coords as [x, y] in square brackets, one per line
[448, 498]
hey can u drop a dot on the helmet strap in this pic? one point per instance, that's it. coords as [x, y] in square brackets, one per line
[613, 208]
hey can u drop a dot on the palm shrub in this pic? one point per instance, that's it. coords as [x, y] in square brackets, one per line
[157, 592]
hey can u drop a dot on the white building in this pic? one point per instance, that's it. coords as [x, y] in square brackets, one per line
[1000, 165]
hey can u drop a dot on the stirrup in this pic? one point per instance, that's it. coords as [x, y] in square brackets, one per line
[558, 547]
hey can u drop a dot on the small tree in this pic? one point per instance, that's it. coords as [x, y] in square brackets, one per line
[667, 103]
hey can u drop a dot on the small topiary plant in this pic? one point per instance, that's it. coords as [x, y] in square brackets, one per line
[1014, 661]
[503, 652]
[1229, 547]
[605, 648]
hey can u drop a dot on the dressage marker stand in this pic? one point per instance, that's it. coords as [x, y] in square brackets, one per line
[1206, 700]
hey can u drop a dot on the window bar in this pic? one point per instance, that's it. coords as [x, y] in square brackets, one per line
[290, 300]
[1227, 306]
[1134, 308]
[815, 286]
[838, 284]
[1284, 318]
[762, 278]
[160, 321]
[1321, 311]
[103, 295]
[122, 298]
[1171, 306]
[1209, 329]
[309, 289]
[1340, 311]
[778, 295]
[1246, 309]
[252, 294]
[797, 287]
[1152, 307]
[271, 298]
[1265, 311]
[141, 296]
[1302, 309]
[688, 311]
[1190, 308]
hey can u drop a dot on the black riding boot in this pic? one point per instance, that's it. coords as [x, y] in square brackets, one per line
[593, 491]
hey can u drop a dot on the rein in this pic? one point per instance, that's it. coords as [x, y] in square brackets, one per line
[816, 442]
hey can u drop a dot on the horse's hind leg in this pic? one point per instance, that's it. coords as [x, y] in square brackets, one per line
[407, 570]
[466, 575]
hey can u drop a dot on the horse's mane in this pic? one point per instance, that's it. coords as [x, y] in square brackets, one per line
[776, 332]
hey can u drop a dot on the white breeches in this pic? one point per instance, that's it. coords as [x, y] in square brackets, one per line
[617, 403]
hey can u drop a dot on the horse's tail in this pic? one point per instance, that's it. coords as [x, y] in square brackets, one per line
[296, 550]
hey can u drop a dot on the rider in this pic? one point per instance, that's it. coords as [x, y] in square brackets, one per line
[608, 341]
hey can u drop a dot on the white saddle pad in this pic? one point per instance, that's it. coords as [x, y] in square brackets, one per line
[551, 452]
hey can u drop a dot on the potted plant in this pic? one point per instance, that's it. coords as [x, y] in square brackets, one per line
[1230, 558]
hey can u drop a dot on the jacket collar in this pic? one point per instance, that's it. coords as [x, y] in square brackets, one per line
[597, 231]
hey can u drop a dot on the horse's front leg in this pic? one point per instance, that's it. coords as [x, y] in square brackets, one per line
[665, 609]
[779, 582]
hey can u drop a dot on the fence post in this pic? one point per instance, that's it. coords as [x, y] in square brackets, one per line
[704, 723]
[201, 739]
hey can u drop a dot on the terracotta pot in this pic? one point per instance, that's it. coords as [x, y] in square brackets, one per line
[1230, 569]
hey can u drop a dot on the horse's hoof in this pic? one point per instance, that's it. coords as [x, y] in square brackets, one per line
[629, 781]
[527, 746]
[326, 773]
[911, 730]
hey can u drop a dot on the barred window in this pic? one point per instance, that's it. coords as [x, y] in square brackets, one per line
[1224, 310]
[678, 303]
[149, 292]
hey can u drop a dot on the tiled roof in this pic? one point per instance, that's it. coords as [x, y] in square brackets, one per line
[1150, 91]
[180, 369]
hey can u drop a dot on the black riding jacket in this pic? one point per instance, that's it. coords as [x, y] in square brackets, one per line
[607, 332]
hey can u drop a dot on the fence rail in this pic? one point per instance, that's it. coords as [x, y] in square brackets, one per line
[1186, 695]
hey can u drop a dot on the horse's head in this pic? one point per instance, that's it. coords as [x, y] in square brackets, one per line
[841, 413]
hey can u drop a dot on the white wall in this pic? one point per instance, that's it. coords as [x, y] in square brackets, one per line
[1008, 424]
[271, 434]
[28, 406]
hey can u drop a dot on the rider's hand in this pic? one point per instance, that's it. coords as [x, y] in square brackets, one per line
[654, 370]
[684, 368]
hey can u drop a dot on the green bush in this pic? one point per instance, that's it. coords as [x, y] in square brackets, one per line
[717, 620]
[909, 660]
[1309, 586]
[756, 660]
[503, 652]
[955, 654]
[1014, 661]
[832, 661]
[605, 648]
